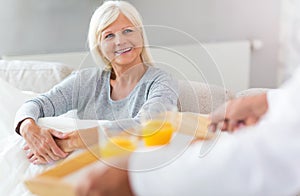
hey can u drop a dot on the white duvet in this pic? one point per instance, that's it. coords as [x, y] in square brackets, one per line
[14, 166]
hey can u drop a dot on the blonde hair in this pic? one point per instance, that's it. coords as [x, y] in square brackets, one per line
[105, 15]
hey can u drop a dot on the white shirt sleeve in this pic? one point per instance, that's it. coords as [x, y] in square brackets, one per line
[260, 160]
[246, 163]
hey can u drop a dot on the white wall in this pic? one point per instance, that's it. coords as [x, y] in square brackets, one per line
[222, 20]
[35, 26]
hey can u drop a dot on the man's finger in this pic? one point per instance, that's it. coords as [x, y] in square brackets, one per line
[231, 125]
[212, 127]
[251, 121]
[224, 125]
[219, 114]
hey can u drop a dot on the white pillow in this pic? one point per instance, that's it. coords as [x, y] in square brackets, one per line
[36, 76]
[11, 99]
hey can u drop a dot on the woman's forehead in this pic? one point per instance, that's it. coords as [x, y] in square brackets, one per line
[120, 23]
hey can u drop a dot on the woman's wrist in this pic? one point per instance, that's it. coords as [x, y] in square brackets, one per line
[77, 142]
[83, 138]
[25, 125]
[73, 142]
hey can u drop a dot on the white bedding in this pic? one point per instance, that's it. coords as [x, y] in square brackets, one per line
[14, 166]
[11, 99]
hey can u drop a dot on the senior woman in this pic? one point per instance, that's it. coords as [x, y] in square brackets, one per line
[126, 84]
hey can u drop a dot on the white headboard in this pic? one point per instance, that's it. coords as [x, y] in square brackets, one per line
[212, 63]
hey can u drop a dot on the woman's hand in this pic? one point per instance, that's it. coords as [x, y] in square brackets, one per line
[41, 145]
[71, 143]
[78, 139]
[240, 112]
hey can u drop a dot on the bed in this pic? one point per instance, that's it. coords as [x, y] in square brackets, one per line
[205, 73]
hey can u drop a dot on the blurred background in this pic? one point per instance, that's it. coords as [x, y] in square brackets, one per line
[34, 27]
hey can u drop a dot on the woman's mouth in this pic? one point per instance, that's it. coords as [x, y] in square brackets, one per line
[122, 51]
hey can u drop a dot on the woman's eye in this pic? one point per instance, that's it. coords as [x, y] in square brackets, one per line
[108, 36]
[128, 31]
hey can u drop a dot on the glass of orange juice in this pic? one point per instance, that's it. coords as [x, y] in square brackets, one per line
[118, 138]
[158, 124]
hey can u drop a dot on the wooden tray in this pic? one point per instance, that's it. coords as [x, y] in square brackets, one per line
[52, 182]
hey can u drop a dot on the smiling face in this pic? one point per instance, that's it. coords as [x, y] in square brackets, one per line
[121, 43]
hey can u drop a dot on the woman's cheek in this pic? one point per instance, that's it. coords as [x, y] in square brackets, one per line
[137, 41]
[107, 50]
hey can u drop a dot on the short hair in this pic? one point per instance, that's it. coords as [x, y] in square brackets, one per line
[105, 15]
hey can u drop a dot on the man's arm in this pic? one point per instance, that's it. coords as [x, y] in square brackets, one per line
[253, 162]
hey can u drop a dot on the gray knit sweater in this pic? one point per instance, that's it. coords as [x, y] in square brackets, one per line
[88, 92]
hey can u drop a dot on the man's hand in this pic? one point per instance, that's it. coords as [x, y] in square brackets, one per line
[41, 147]
[112, 181]
[239, 112]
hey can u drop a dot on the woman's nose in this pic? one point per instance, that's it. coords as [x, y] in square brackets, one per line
[119, 39]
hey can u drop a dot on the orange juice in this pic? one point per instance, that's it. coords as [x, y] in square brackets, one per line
[157, 132]
[117, 146]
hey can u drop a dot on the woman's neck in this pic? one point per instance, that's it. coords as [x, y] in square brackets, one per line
[122, 82]
[129, 75]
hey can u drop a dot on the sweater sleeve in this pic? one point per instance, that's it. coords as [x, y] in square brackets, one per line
[60, 99]
[162, 90]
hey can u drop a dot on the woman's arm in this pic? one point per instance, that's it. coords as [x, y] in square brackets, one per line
[40, 141]
[60, 99]
[78, 139]
[162, 91]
